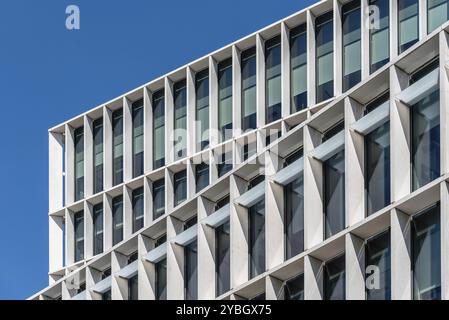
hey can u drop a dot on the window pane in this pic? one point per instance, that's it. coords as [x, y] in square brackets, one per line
[225, 98]
[380, 36]
[273, 76]
[201, 176]
[426, 255]
[334, 279]
[117, 219]
[222, 241]
[351, 44]
[191, 271]
[377, 168]
[294, 288]
[158, 129]
[133, 288]
[257, 239]
[158, 198]
[137, 112]
[437, 13]
[298, 65]
[161, 280]
[334, 194]
[79, 235]
[324, 57]
[180, 183]
[137, 203]
[98, 228]
[79, 163]
[117, 141]
[378, 255]
[294, 217]
[180, 101]
[408, 23]
[249, 89]
[98, 154]
[202, 109]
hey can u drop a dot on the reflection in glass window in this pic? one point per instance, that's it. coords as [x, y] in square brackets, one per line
[180, 135]
[324, 57]
[117, 219]
[98, 228]
[222, 255]
[437, 13]
[257, 239]
[426, 256]
[294, 217]
[294, 288]
[158, 198]
[378, 254]
[298, 67]
[334, 279]
[133, 288]
[380, 36]
[249, 112]
[137, 113]
[180, 186]
[79, 235]
[79, 163]
[202, 109]
[191, 271]
[137, 203]
[201, 176]
[117, 151]
[161, 280]
[98, 154]
[408, 23]
[273, 79]
[225, 99]
[352, 45]
[158, 129]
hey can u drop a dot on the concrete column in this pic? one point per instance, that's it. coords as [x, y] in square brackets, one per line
[88, 157]
[55, 171]
[394, 38]
[88, 230]
[401, 276]
[69, 165]
[311, 59]
[145, 269]
[108, 148]
[354, 164]
[127, 140]
[444, 231]
[274, 288]
[56, 242]
[236, 92]
[338, 49]
[169, 191]
[313, 278]
[285, 65]
[260, 80]
[119, 286]
[148, 129]
[190, 84]
[422, 19]
[239, 232]
[206, 252]
[399, 137]
[107, 212]
[444, 101]
[92, 277]
[214, 133]
[69, 237]
[175, 261]
[191, 183]
[274, 217]
[355, 267]
[313, 191]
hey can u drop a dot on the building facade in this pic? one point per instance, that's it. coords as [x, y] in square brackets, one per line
[309, 160]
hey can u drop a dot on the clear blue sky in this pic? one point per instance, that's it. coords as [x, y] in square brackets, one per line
[49, 74]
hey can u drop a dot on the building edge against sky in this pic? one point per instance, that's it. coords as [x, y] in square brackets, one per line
[342, 166]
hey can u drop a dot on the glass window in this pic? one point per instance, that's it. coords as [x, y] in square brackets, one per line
[222, 255]
[180, 182]
[202, 109]
[249, 120]
[298, 67]
[79, 163]
[117, 219]
[98, 154]
[294, 217]
[352, 56]
[191, 271]
[98, 228]
[79, 235]
[201, 176]
[324, 57]
[273, 79]
[377, 168]
[107, 295]
[408, 23]
[272, 135]
[334, 194]
[224, 164]
[292, 157]
[380, 36]
[158, 129]
[426, 256]
[161, 280]
[437, 13]
[334, 279]
[133, 288]
[137, 202]
[257, 239]
[425, 136]
[249, 149]
[117, 151]
[180, 101]
[158, 198]
[137, 112]
[225, 98]
[378, 253]
[294, 288]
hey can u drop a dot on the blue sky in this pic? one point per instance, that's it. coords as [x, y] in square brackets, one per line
[49, 74]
